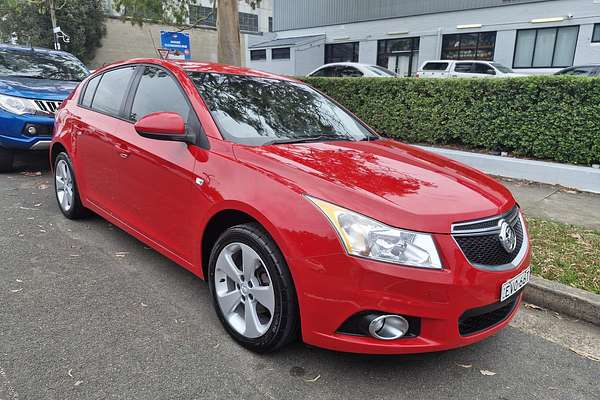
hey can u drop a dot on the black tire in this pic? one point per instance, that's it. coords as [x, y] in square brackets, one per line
[7, 158]
[285, 321]
[77, 210]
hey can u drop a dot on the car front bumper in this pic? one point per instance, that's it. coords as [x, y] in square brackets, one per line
[13, 131]
[334, 288]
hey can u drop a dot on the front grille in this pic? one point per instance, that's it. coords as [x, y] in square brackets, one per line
[480, 240]
[47, 106]
[480, 319]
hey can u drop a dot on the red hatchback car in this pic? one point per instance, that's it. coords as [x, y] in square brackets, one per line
[301, 218]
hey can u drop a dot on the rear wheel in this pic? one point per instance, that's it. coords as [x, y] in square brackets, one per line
[65, 187]
[7, 158]
[252, 289]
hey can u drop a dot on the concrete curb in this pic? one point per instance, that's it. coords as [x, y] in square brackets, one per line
[586, 179]
[571, 301]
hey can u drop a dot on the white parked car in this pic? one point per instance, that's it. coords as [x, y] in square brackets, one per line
[465, 69]
[350, 69]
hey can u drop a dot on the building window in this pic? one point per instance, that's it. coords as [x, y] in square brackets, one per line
[257, 55]
[248, 22]
[270, 24]
[596, 35]
[203, 16]
[399, 55]
[280, 54]
[546, 47]
[341, 52]
[469, 46]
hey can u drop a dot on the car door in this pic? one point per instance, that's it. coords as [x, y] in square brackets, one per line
[158, 178]
[483, 70]
[100, 118]
[463, 70]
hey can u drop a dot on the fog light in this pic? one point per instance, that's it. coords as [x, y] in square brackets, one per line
[388, 327]
[31, 130]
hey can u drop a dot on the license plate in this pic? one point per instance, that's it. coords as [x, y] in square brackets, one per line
[515, 284]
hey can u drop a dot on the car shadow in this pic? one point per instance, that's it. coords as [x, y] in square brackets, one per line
[31, 161]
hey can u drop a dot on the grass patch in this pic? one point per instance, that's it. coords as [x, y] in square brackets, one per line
[566, 253]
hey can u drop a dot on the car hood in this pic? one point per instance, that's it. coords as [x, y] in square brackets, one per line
[42, 89]
[397, 184]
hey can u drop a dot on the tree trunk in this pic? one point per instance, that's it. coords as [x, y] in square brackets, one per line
[228, 32]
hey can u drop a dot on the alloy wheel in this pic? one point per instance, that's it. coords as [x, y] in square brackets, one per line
[64, 185]
[244, 290]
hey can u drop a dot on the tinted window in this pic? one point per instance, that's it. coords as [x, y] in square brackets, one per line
[90, 89]
[469, 46]
[111, 90]
[255, 111]
[502, 68]
[42, 65]
[158, 92]
[341, 52]
[581, 71]
[596, 35]
[280, 54]
[546, 47]
[435, 66]
[479, 68]
[463, 68]
[256, 55]
[381, 71]
[349, 72]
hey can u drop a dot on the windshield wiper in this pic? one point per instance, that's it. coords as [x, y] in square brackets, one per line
[306, 139]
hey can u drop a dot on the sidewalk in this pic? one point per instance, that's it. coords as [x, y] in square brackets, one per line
[556, 203]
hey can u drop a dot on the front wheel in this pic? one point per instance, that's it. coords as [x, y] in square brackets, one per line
[252, 289]
[65, 187]
[7, 158]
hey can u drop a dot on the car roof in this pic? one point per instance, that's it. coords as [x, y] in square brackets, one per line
[351, 64]
[449, 61]
[35, 49]
[194, 66]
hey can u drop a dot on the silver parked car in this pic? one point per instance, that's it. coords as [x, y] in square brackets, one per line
[465, 69]
[352, 70]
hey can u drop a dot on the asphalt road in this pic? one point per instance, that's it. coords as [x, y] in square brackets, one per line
[87, 312]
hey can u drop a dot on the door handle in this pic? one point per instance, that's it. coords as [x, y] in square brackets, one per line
[123, 151]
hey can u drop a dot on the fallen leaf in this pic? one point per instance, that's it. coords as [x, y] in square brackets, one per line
[121, 254]
[216, 346]
[29, 173]
[37, 205]
[78, 383]
[486, 372]
[19, 280]
[316, 378]
[464, 365]
[43, 230]
[16, 290]
[144, 304]
[586, 355]
[69, 373]
[534, 307]
[43, 187]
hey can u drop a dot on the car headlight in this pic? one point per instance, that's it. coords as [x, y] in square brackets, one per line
[365, 237]
[17, 105]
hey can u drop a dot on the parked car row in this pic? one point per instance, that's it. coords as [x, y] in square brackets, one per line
[441, 69]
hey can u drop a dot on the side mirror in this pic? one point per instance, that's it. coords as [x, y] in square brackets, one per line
[163, 126]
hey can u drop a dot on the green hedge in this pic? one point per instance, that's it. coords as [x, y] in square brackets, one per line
[549, 118]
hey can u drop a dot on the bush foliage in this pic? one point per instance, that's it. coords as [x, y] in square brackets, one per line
[550, 117]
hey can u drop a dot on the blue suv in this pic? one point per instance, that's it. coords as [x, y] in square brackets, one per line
[33, 83]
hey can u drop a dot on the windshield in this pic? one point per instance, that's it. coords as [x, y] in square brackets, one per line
[502, 68]
[381, 71]
[41, 65]
[259, 111]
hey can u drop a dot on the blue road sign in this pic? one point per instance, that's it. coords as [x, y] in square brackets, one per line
[178, 43]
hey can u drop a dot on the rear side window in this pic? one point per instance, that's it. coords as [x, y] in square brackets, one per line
[90, 89]
[158, 92]
[349, 72]
[111, 90]
[463, 68]
[481, 68]
[435, 66]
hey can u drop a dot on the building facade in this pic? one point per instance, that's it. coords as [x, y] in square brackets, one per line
[530, 36]
[124, 40]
